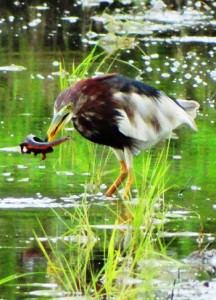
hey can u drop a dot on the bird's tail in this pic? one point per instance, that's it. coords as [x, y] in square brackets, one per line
[190, 107]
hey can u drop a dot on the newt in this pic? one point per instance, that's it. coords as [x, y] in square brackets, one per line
[34, 144]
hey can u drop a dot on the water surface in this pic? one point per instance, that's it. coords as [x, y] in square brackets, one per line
[177, 57]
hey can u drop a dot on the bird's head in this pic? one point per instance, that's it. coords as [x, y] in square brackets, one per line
[60, 119]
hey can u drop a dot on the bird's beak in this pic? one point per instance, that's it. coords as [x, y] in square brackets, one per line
[60, 119]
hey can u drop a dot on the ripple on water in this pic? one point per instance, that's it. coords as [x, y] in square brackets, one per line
[12, 68]
[43, 202]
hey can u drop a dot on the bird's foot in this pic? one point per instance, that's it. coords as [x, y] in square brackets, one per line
[111, 190]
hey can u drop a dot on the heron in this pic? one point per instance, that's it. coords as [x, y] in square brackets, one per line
[125, 114]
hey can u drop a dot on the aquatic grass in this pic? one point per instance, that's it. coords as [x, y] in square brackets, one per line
[70, 255]
[12, 278]
[99, 158]
[139, 239]
[133, 235]
[96, 62]
[131, 240]
[13, 283]
[90, 65]
[78, 71]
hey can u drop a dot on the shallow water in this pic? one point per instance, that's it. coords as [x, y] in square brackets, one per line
[177, 57]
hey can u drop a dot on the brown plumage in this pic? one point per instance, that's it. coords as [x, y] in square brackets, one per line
[124, 114]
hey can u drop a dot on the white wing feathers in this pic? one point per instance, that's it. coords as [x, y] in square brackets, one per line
[153, 119]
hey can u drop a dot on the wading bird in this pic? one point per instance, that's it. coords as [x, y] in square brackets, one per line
[124, 114]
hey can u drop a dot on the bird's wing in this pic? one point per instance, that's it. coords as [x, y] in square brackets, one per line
[150, 119]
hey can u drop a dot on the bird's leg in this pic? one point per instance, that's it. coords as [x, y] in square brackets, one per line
[119, 180]
[129, 184]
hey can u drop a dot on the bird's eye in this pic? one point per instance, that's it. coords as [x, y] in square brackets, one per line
[70, 106]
